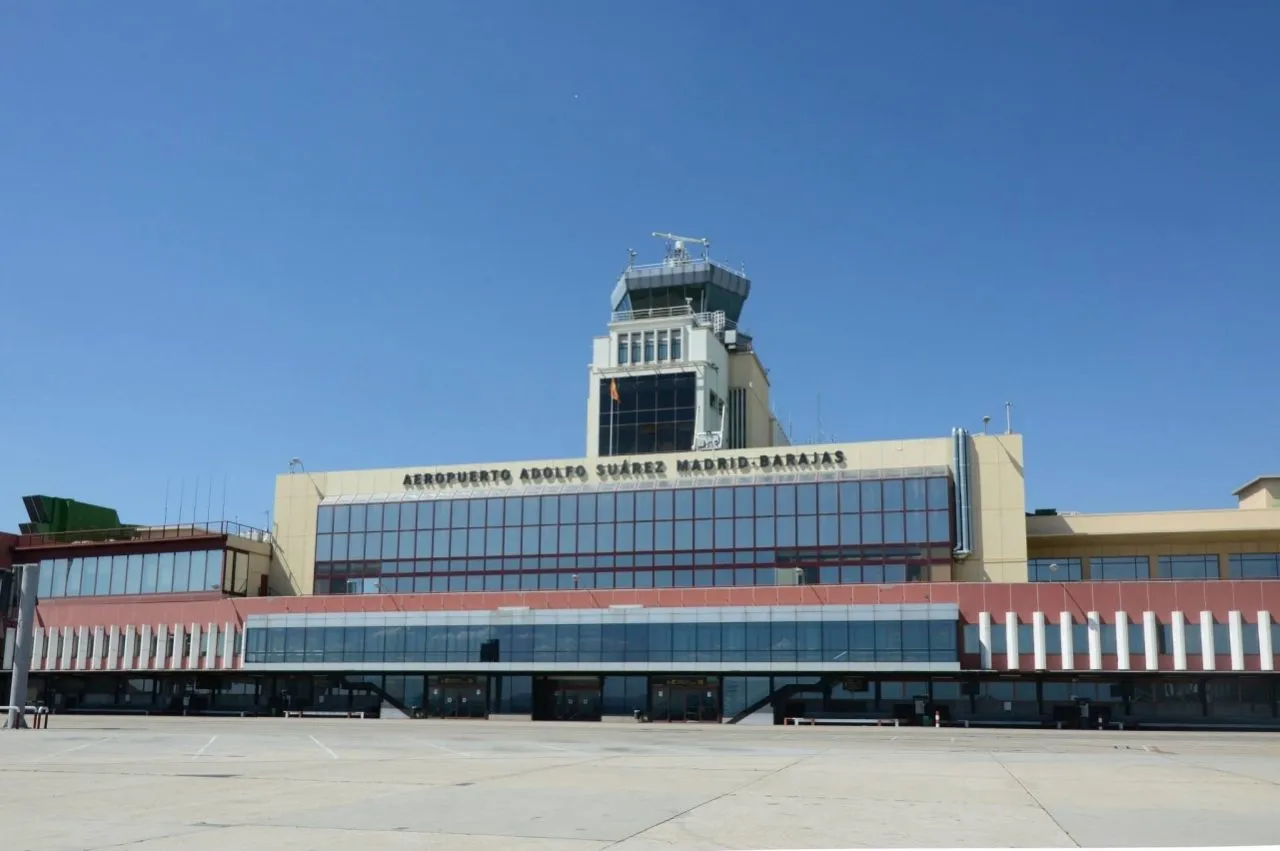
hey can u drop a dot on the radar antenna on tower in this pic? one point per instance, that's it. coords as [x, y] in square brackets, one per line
[677, 246]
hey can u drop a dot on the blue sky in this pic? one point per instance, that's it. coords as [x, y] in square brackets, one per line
[384, 234]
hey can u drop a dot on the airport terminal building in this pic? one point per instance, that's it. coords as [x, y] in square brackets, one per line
[693, 565]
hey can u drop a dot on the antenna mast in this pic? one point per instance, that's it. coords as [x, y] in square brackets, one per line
[677, 246]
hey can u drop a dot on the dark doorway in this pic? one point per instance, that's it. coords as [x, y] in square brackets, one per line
[457, 697]
[685, 699]
[566, 699]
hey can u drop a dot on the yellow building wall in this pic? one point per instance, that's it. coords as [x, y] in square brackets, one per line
[1220, 532]
[999, 552]
[999, 507]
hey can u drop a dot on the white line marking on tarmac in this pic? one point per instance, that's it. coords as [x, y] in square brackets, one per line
[323, 746]
[79, 747]
[438, 747]
[205, 748]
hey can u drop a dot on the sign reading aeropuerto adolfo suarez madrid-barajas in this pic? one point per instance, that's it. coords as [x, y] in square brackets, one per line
[617, 469]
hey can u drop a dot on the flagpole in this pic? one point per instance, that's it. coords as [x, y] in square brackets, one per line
[613, 419]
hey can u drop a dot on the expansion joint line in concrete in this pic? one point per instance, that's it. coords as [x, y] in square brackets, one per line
[1035, 800]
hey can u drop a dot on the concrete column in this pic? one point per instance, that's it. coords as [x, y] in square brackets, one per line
[1093, 621]
[82, 649]
[1011, 649]
[984, 640]
[10, 643]
[130, 660]
[1235, 633]
[1265, 647]
[1068, 650]
[175, 654]
[37, 649]
[1122, 641]
[1179, 641]
[1038, 641]
[193, 654]
[23, 634]
[1151, 641]
[113, 647]
[67, 641]
[1207, 650]
[51, 649]
[211, 646]
[145, 658]
[99, 638]
[229, 645]
[162, 647]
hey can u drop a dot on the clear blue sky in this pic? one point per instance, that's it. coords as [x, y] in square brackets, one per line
[383, 234]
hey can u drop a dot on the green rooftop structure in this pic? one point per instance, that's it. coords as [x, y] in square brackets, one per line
[52, 515]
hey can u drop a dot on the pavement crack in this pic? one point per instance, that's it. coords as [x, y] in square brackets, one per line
[713, 799]
[1035, 800]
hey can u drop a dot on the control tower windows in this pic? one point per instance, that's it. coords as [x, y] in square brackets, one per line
[642, 347]
[654, 413]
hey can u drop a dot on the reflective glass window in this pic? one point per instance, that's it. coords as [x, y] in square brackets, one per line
[181, 571]
[1187, 567]
[195, 579]
[1254, 566]
[892, 497]
[1119, 568]
[342, 518]
[869, 494]
[150, 581]
[916, 494]
[357, 518]
[1054, 570]
[939, 527]
[164, 577]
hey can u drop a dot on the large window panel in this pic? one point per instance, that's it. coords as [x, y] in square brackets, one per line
[195, 579]
[164, 577]
[120, 573]
[1254, 566]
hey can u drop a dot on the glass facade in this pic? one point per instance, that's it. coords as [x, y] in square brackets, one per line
[815, 532]
[1054, 570]
[653, 413]
[1137, 568]
[716, 645]
[1254, 566]
[1187, 567]
[1119, 568]
[138, 573]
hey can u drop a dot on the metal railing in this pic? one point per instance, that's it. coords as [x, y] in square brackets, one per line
[652, 313]
[716, 320]
[145, 533]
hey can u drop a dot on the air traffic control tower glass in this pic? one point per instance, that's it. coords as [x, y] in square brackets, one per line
[815, 532]
[652, 414]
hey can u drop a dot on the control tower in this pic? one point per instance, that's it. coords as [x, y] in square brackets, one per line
[675, 372]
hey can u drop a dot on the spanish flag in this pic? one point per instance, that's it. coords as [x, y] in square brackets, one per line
[613, 390]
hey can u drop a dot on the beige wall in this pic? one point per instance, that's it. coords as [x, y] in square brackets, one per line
[1153, 534]
[746, 371]
[999, 503]
[999, 507]
[1260, 493]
